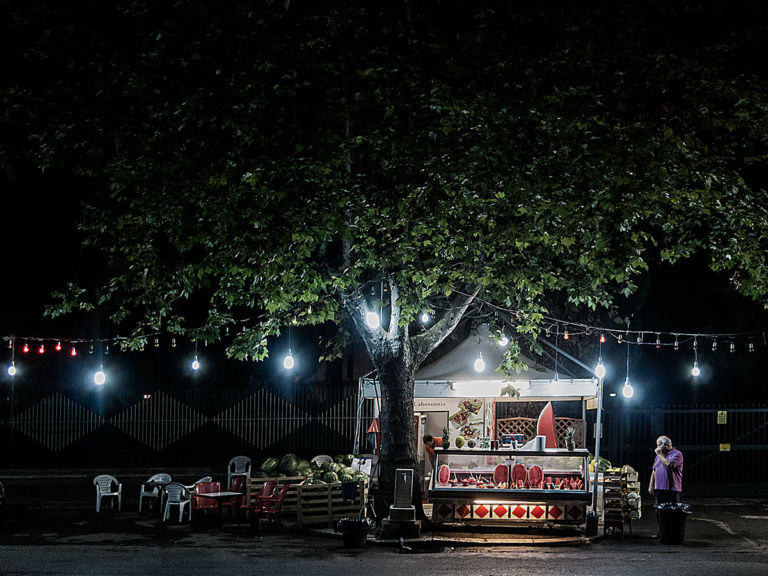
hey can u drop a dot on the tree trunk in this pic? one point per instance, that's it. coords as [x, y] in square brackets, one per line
[398, 432]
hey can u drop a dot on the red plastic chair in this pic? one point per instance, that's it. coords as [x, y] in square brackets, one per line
[252, 503]
[233, 504]
[271, 508]
[202, 505]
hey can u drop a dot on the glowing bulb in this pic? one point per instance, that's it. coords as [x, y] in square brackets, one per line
[627, 391]
[58, 347]
[733, 347]
[479, 363]
[73, 352]
[424, 317]
[566, 335]
[695, 371]
[658, 340]
[677, 343]
[714, 345]
[195, 363]
[100, 377]
[602, 338]
[372, 319]
[600, 369]
[12, 369]
[41, 350]
[25, 348]
[288, 361]
[503, 341]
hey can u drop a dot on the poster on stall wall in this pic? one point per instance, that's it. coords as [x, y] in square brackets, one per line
[467, 420]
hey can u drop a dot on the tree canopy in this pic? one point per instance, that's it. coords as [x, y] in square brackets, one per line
[269, 164]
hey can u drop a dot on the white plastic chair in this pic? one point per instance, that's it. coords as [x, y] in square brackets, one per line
[191, 487]
[152, 493]
[176, 495]
[108, 487]
[238, 466]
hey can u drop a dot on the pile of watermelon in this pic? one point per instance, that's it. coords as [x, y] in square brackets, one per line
[291, 465]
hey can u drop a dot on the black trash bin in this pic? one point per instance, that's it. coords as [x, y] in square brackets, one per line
[355, 531]
[672, 517]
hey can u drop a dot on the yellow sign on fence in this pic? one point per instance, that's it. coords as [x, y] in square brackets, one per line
[722, 417]
[725, 447]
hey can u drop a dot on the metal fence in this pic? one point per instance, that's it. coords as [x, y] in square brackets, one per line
[721, 445]
[180, 427]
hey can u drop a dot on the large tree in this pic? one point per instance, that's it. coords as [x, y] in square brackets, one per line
[302, 163]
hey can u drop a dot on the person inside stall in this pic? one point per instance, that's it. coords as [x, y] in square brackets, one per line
[430, 443]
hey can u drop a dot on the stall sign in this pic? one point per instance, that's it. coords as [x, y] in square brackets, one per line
[722, 416]
[725, 447]
[430, 405]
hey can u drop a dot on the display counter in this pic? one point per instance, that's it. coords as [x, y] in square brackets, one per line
[510, 486]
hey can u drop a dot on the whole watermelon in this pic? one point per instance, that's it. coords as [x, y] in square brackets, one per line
[289, 464]
[330, 477]
[328, 467]
[269, 465]
[347, 460]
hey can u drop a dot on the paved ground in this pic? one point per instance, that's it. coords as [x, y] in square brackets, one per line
[51, 527]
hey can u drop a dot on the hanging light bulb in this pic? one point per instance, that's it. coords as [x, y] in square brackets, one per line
[621, 338]
[695, 371]
[658, 340]
[58, 347]
[372, 319]
[425, 317]
[751, 347]
[600, 368]
[10, 344]
[90, 348]
[479, 363]
[566, 335]
[733, 347]
[12, 368]
[695, 343]
[25, 348]
[73, 351]
[503, 341]
[677, 343]
[99, 377]
[602, 338]
[627, 391]
[41, 349]
[195, 363]
[173, 342]
[106, 348]
[288, 361]
[714, 345]
[157, 342]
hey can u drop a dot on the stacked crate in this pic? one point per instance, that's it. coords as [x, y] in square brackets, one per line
[621, 499]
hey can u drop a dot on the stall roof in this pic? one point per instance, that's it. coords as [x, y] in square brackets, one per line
[453, 375]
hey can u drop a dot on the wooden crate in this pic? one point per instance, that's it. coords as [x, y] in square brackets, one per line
[291, 498]
[322, 504]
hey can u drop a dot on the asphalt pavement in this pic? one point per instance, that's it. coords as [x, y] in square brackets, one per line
[48, 512]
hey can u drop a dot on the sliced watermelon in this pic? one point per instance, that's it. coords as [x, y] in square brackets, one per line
[519, 475]
[535, 476]
[501, 474]
[443, 474]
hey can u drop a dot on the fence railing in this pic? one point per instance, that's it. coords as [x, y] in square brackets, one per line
[720, 444]
[179, 427]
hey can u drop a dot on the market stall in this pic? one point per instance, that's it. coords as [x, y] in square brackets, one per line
[493, 469]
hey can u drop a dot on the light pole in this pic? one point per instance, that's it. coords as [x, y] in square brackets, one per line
[592, 520]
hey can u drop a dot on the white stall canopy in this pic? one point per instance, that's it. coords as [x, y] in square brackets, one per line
[454, 376]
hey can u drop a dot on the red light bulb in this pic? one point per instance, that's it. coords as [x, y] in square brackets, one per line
[566, 335]
[58, 346]
[602, 339]
[25, 348]
[41, 350]
[73, 352]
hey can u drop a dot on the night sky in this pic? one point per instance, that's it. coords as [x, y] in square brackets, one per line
[42, 252]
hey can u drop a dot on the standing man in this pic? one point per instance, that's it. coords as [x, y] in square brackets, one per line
[667, 473]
